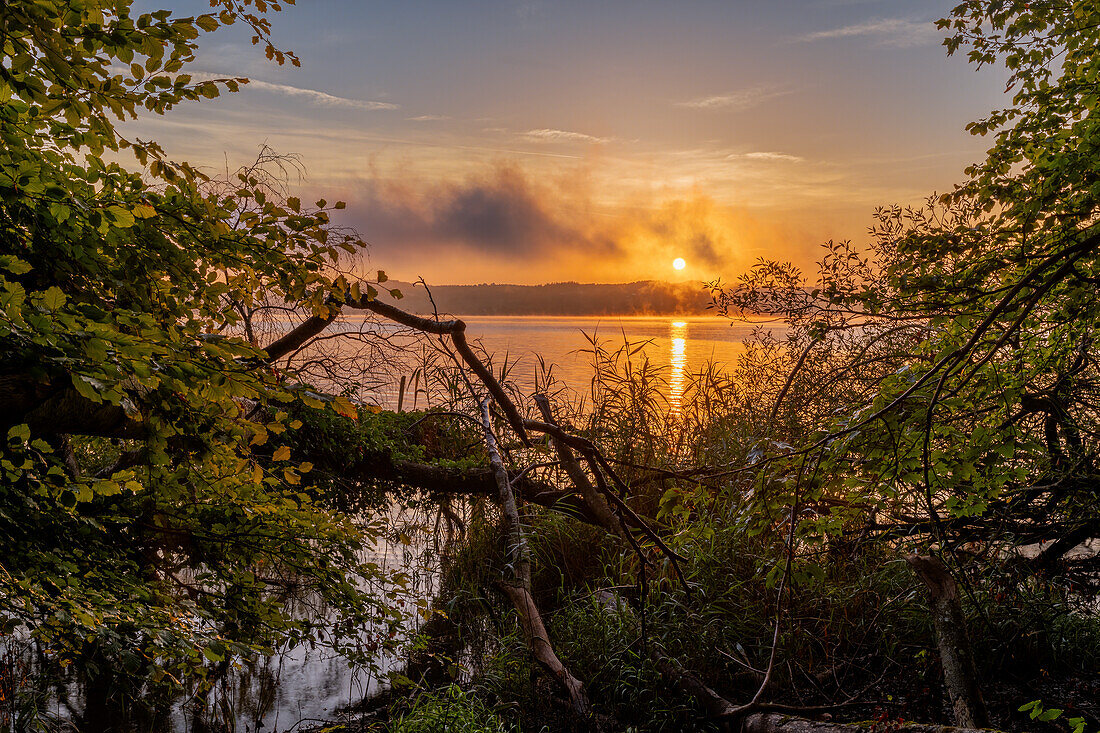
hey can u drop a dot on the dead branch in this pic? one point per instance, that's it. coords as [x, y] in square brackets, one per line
[456, 329]
[518, 589]
[592, 498]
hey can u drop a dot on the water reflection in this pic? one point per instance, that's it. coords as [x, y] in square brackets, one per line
[678, 361]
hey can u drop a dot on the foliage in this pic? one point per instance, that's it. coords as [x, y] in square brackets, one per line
[950, 372]
[121, 300]
[349, 455]
[601, 643]
[937, 391]
[166, 491]
[1036, 711]
[449, 709]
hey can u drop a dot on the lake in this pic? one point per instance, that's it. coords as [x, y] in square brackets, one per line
[302, 683]
[678, 345]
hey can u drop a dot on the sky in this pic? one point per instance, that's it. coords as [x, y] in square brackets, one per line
[532, 141]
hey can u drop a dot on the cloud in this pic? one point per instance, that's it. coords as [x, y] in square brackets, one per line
[323, 99]
[897, 32]
[780, 157]
[499, 212]
[738, 100]
[514, 224]
[427, 118]
[549, 135]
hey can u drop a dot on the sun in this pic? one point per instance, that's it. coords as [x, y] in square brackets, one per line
[678, 263]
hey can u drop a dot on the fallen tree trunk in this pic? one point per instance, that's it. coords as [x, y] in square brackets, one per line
[519, 589]
[449, 480]
[777, 723]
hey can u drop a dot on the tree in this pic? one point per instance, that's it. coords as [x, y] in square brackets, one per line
[154, 518]
[147, 525]
[937, 391]
[960, 351]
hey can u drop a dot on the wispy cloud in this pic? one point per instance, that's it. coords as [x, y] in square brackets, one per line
[737, 100]
[427, 118]
[550, 135]
[898, 32]
[323, 99]
[762, 155]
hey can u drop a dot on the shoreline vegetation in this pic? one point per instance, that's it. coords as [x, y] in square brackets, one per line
[882, 518]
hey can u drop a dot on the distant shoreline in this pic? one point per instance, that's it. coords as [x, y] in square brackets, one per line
[567, 299]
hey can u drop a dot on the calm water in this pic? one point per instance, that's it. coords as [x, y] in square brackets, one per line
[678, 346]
[306, 684]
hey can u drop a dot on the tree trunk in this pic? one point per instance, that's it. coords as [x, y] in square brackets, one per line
[776, 723]
[960, 674]
[518, 589]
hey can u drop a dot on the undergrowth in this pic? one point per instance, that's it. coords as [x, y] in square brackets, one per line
[854, 625]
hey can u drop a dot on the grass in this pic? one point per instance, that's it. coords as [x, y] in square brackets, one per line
[449, 710]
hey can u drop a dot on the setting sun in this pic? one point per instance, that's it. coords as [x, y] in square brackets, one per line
[678, 263]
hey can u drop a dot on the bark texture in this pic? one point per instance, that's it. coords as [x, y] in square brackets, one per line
[960, 674]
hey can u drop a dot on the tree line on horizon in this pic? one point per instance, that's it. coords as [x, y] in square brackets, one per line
[647, 297]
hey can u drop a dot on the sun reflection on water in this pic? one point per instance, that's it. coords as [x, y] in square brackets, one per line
[678, 361]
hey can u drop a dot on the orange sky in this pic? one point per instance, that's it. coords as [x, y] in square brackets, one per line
[509, 141]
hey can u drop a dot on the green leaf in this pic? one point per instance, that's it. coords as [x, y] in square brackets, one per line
[14, 264]
[19, 434]
[87, 387]
[53, 298]
[122, 217]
